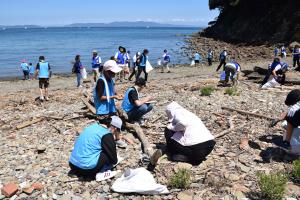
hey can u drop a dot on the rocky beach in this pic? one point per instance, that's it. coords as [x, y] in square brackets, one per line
[35, 158]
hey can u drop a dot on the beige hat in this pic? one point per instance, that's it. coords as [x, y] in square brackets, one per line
[111, 65]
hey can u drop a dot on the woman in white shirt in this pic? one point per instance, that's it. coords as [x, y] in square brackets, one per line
[188, 140]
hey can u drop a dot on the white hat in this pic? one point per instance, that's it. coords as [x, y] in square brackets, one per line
[111, 65]
[116, 122]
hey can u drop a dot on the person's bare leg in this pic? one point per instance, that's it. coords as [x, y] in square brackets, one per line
[289, 132]
[46, 94]
[41, 94]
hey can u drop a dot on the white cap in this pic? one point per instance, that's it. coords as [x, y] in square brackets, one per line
[116, 122]
[111, 65]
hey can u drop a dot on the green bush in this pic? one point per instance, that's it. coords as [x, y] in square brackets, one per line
[296, 170]
[207, 91]
[233, 91]
[181, 179]
[272, 186]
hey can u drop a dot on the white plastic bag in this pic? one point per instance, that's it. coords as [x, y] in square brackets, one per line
[83, 73]
[193, 63]
[270, 84]
[138, 181]
[148, 67]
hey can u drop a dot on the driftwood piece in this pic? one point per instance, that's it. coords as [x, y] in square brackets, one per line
[247, 113]
[89, 106]
[28, 123]
[139, 132]
[231, 128]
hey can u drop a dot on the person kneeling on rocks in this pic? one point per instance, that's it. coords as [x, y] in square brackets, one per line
[135, 107]
[277, 70]
[232, 70]
[188, 140]
[95, 149]
[292, 116]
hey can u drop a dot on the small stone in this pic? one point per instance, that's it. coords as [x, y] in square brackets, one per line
[54, 196]
[231, 176]
[106, 189]
[66, 197]
[38, 186]
[44, 171]
[244, 144]
[292, 189]
[41, 148]
[9, 190]
[182, 166]
[28, 190]
[239, 195]
[186, 195]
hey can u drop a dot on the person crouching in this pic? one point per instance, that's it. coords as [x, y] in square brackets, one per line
[135, 107]
[232, 70]
[95, 149]
[187, 138]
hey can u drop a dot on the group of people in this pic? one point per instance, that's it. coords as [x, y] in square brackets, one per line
[94, 153]
[28, 70]
[295, 52]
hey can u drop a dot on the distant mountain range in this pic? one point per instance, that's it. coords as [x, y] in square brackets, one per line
[112, 24]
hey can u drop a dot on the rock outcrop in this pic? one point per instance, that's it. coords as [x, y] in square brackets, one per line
[255, 21]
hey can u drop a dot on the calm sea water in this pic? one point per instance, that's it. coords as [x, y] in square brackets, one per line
[60, 45]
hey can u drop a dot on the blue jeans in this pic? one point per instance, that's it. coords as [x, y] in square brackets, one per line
[78, 79]
[139, 111]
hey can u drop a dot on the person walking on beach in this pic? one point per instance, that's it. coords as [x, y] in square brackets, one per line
[76, 68]
[222, 59]
[31, 71]
[43, 73]
[136, 62]
[135, 107]
[166, 61]
[197, 58]
[96, 64]
[120, 58]
[283, 52]
[296, 57]
[209, 57]
[276, 51]
[142, 65]
[25, 68]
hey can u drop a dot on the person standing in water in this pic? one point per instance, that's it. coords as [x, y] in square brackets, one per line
[25, 68]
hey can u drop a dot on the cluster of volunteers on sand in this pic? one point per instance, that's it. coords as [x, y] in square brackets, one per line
[187, 138]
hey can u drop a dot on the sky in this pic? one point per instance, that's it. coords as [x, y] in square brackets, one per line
[62, 12]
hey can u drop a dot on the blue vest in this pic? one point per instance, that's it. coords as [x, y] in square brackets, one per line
[107, 106]
[126, 105]
[87, 148]
[197, 56]
[24, 66]
[167, 58]
[273, 65]
[31, 69]
[120, 58]
[44, 70]
[96, 62]
[143, 60]
[222, 56]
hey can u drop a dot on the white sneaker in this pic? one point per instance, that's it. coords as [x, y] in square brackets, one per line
[101, 176]
[41, 98]
[47, 98]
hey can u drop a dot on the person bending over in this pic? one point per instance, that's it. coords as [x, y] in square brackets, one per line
[95, 149]
[232, 70]
[135, 107]
[188, 140]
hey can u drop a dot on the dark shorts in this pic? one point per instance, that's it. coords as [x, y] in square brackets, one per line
[197, 61]
[26, 73]
[44, 82]
[295, 120]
